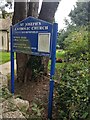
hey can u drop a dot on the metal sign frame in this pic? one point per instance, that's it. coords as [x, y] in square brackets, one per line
[53, 40]
[29, 29]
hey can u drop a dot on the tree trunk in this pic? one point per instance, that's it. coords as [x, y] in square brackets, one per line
[24, 70]
[32, 11]
[48, 10]
[20, 13]
[47, 13]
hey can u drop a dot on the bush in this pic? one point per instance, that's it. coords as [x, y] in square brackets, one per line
[72, 98]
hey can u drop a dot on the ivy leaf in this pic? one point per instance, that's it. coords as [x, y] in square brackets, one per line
[85, 115]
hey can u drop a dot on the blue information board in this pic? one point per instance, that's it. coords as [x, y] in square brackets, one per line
[32, 36]
[36, 37]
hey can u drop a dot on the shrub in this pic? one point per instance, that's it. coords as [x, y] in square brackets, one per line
[72, 98]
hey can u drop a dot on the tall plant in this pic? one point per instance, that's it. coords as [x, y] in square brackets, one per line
[72, 90]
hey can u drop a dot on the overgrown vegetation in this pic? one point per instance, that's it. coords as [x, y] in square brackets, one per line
[73, 99]
[34, 64]
[72, 95]
[37, 110]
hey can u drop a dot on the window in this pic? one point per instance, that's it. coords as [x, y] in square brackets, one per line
[2, 41]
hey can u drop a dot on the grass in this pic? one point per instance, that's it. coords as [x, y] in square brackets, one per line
[4, 57]
[58, 66]
[59, 54]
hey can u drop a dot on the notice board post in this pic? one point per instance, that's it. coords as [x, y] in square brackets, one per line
[52, 71]
[12, 62]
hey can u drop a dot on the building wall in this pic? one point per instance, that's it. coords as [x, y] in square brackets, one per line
[3, 40]
[0, 40]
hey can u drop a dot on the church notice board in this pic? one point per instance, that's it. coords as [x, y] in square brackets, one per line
[32, 36]
[36, 37]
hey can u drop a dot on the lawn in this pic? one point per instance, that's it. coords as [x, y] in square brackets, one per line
[59, 54]
[4, 57]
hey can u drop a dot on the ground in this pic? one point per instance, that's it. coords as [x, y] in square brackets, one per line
[11, 107]
[37, 93]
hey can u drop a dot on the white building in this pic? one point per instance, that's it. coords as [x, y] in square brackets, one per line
[5, 34]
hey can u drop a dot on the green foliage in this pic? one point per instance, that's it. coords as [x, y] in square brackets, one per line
[61, 37]
[60, 54]
[77, 43]
[35, 65]
[36, 110]
[5, 57]
[4, 93]
[79, 15]
[72, 91]
[5, 4]
[63, 34]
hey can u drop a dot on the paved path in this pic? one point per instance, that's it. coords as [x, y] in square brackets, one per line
[6, 68]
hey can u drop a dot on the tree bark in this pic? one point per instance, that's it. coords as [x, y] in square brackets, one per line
[20, 13]
[47, 13]
[32, 11]
[48, 10]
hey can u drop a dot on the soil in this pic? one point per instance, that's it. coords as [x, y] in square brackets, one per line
[35, 91]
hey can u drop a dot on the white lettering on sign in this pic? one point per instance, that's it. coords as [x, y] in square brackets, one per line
[33, 24]
[31, 28]
[22, 28]
[33, 48]
[21, 24]
[40, 28]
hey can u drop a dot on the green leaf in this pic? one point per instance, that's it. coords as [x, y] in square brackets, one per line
[85, 115]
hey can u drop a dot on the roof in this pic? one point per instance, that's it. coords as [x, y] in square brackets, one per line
[5, 23]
